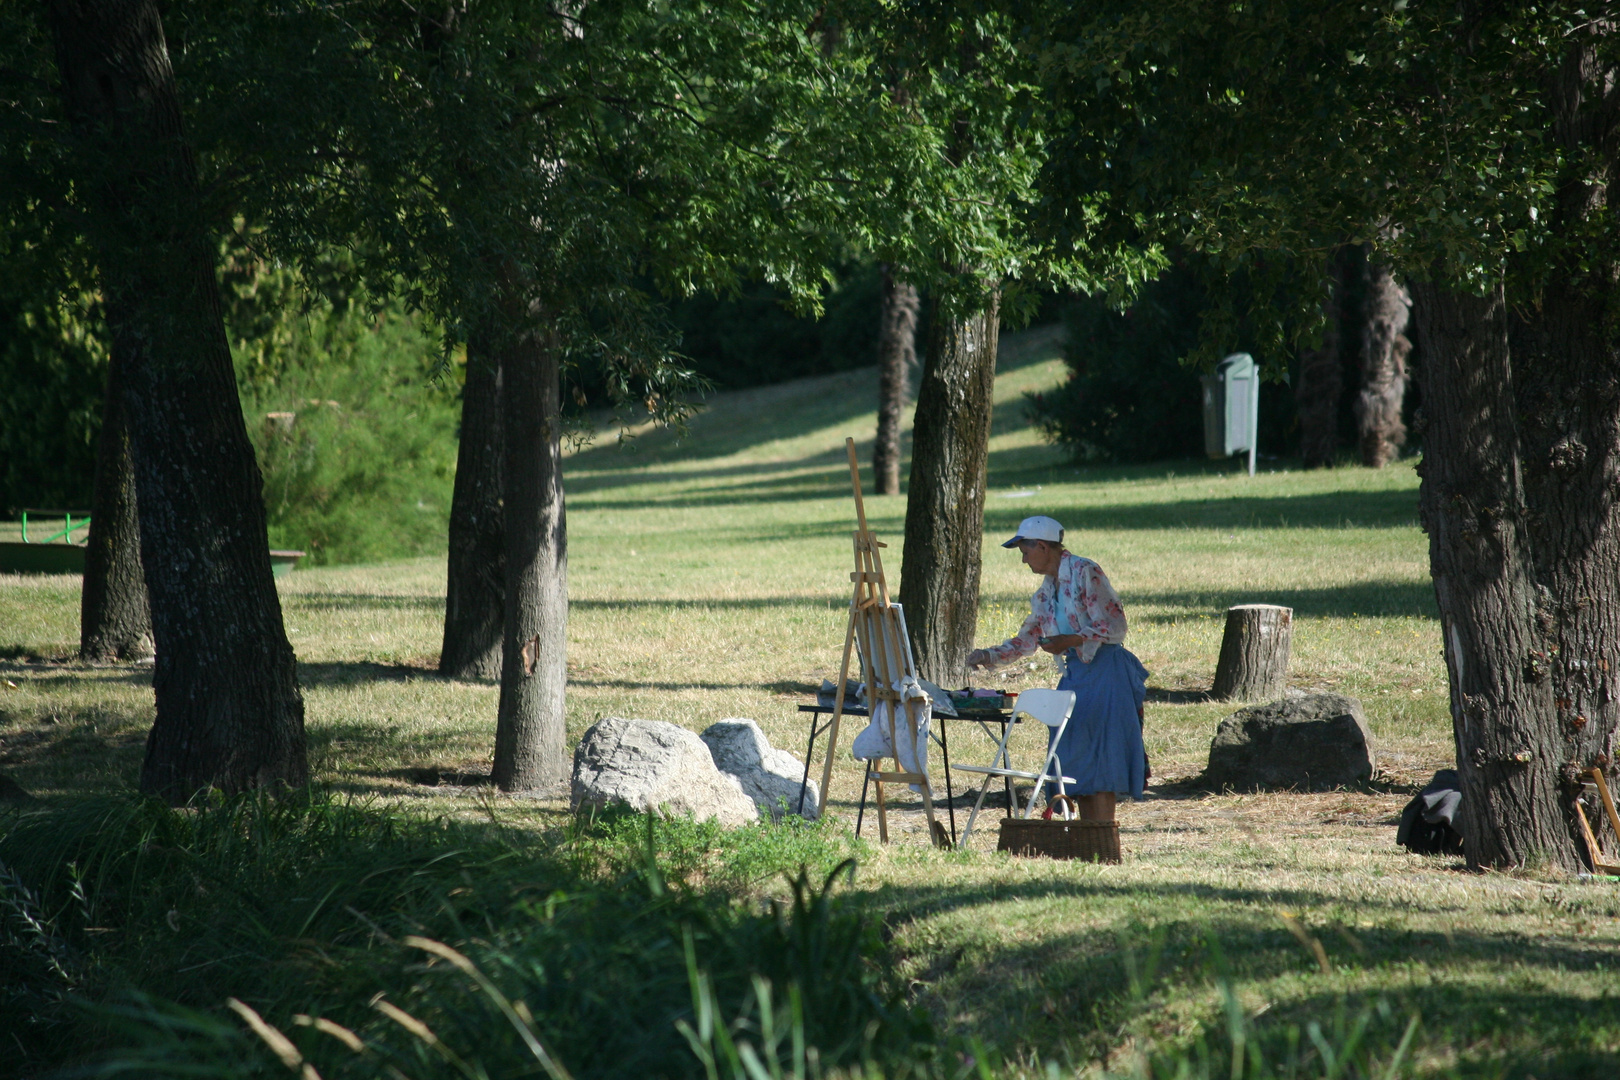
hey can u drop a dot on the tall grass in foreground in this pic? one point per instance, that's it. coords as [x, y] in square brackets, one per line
[129, 924]
[260, 936]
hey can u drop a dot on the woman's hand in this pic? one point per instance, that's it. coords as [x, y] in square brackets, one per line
[1061, 643]
[980, 658]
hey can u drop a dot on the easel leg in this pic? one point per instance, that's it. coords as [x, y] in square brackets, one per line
[883, 814]
[866, 781]
[838, 704]
[950, 799]
[1592, 850]
[809, 752]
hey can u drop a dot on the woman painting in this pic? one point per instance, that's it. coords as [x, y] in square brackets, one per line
[1076, 615]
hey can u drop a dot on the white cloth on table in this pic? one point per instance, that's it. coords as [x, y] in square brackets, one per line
[873, 742]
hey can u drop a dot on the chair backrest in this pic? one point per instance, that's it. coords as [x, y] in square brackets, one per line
[1050, 707]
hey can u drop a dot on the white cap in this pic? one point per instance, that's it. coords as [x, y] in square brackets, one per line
[1037, 528]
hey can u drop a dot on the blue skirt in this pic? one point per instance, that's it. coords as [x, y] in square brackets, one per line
[1102, 745]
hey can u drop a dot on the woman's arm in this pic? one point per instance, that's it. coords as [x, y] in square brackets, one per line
[1026, 641]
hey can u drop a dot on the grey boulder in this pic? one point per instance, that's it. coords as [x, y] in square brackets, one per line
[771, 777]
[652, 766]
[1302, 741]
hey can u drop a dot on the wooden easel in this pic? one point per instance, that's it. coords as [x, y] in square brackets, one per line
[1600, 865]
[879, 628]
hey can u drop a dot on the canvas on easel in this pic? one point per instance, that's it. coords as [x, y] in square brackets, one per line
[877, 630]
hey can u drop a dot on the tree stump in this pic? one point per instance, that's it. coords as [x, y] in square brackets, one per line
[1254, 653]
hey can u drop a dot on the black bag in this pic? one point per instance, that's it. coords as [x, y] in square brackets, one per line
[1429, 822]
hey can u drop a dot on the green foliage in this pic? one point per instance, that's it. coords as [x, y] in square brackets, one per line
[1134, 392]
[362, 471]
[1129, 397]
[53, 370]
[756, 337]
[1430, 130]
[352, 423]
[305, 905]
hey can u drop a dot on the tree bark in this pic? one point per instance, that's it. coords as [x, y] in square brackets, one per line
[229, 714]
[1472, 503]
[474, 608]
[1567, 369]
[530, 732]
[1383, 368]
[1567, 374]
[897, 354]
[945, 499]
[1321, 380]
[1254, 653]
[115, 621]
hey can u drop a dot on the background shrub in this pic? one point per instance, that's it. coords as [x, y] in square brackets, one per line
[1130, 395]
[755, 338]
[359, 460]
[53, 369]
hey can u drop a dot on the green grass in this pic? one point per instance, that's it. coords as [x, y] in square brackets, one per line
[708, 577]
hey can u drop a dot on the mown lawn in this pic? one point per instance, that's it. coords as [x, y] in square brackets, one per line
[708, 577]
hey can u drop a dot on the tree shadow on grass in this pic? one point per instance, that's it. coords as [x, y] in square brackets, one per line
[787, 687]
[741, 603]
[444, 776]
[351, 673]
[1161, 696]
[746, 418]
[903, 904]
[1045, 987]
[1360, 598]
[1323, 510]
[344, 601]
[1318, 510]
[69, 673]
[789, 410]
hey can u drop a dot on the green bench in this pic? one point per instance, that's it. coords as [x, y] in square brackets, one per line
[62, 553]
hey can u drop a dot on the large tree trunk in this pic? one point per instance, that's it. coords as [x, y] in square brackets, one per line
[530, 733]
[939, 583]
[1509, 749]
[1567, 355]
[229, 714]
[115, 622]
[897, 354]
[1567, 381]
[1321, 379]
[474, 608]
[1383, 368]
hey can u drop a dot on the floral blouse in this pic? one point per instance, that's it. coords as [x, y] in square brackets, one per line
[1078, 600]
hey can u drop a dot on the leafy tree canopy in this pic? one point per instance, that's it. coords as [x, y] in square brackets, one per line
[1264, 134]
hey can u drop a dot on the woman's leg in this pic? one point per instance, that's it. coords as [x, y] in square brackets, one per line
[1098, 807]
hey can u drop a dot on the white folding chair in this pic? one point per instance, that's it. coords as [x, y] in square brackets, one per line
[1050, 707]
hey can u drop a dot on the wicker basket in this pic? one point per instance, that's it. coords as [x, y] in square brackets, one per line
[1092, 841]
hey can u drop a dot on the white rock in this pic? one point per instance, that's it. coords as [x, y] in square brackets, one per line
[769, 776]
[650, 765]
